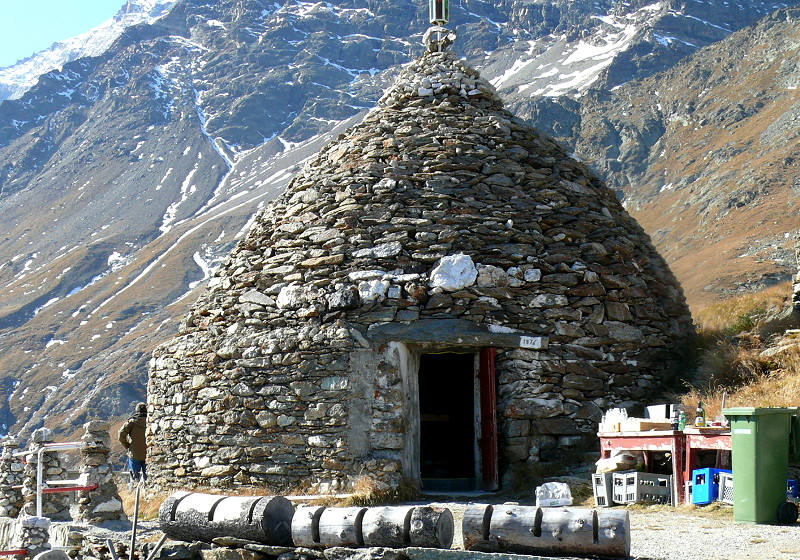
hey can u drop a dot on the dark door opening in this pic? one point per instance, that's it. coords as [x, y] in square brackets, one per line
[447, 421]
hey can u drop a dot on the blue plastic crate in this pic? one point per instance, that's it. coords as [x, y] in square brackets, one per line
[793, 490]
[705, 485]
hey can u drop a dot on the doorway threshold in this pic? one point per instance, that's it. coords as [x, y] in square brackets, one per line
[453, 488]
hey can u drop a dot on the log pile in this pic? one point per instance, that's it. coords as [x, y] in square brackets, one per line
[548, 531]
[506, 528]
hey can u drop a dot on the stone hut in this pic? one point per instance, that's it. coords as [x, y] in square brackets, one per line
[441, 296]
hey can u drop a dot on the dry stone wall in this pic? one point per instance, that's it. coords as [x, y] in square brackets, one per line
[54, 506]
[11, 476]
[442, 221]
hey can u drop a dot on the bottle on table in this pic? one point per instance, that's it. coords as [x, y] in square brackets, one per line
[682, 421]
[700, 418]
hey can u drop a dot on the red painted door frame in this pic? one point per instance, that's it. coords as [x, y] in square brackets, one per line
[488, 439]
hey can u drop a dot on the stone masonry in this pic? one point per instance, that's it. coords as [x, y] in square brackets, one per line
[441, 222]
[102, 503]
[54, 506]
[11, 475]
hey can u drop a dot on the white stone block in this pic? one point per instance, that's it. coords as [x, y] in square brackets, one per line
[453, 272]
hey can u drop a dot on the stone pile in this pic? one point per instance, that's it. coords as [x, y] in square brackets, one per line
[11, 474]
[54, 506]
[102, 503]
[441, 222]
[34, 534]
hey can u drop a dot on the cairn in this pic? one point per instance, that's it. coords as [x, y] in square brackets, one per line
[103, 503]
[11, 477]
[54, 506]
[34, 535]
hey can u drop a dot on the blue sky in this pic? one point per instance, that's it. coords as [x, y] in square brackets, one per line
[28, 26]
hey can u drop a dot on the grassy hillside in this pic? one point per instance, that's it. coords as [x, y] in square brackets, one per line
[734, 360]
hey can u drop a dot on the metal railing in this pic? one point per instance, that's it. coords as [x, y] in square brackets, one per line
[75, 485]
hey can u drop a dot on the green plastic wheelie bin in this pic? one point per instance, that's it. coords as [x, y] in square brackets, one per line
[760, 440]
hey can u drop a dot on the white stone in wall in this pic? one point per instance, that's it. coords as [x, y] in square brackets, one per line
[365, 275]
[254, 296]
[291, 297]
[372, 290]
[549, 300]
[242, 390]
[453, 272]
[210, 393]
[334, 383]
[385, 250]
[501, 329]
[533, 275]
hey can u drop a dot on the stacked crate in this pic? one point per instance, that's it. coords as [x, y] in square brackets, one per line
[631, 487]
[602, 485]
[706, 485]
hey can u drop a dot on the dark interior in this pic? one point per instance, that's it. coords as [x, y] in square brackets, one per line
[447, 425]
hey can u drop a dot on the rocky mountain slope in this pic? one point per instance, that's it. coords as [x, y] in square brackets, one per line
[15, 80]
[127, 176]
[706, 157]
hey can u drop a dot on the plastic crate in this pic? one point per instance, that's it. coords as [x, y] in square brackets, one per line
[793, 490]
[633, 487]
[687, 491]
[602, 487]
[705, 485]
[725, 488]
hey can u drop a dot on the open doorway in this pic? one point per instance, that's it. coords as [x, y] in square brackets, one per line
[449, 414]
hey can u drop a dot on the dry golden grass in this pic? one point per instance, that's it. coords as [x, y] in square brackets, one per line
[730, 358]
[777, 388]
[149, 502]
[366, 492]
[742, 310]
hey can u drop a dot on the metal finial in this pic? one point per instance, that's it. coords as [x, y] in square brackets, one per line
[439, 11]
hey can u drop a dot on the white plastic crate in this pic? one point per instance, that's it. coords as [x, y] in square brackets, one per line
[633, 487]
[726, 488]
[602, 486]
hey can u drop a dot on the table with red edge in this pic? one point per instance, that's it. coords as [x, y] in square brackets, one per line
[682, 445]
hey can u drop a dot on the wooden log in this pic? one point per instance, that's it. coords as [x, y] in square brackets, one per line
[387, 526]
[305, 526]
[475, 525]
[431, 527]
[547, 531]
[341, 527]
[204, 517]
[613, 533]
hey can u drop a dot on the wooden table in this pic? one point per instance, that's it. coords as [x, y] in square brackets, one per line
[702, 438]
[682, 446]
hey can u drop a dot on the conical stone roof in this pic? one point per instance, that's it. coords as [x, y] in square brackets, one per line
[440, 223]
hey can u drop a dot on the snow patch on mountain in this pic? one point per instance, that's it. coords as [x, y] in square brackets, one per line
[570, 68]
[15, 80]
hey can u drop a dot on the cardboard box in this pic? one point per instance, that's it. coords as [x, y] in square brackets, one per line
[643, 425]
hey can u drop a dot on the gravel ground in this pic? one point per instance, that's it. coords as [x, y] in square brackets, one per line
[663, 533]
[689, 533]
